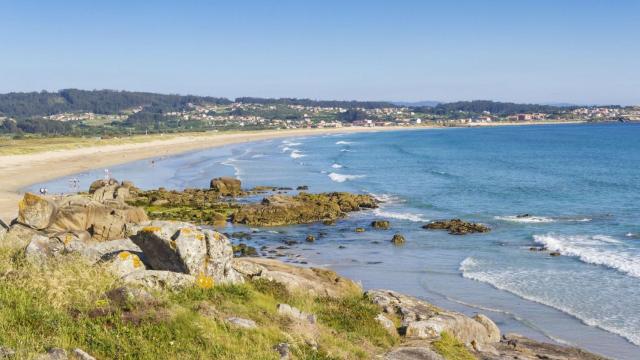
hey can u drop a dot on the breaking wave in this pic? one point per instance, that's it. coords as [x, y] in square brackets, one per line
[295, 154]
[336, 166]
[400, 215]
[509, 281]
[344, 142]
[525, 219]
[342, 178]
[594, 249]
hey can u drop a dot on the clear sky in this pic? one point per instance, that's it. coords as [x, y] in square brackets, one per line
[576, 51]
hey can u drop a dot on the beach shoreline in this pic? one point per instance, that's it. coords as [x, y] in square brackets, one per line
[20, 171]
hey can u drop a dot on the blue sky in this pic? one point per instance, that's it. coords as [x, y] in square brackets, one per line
[584, 51]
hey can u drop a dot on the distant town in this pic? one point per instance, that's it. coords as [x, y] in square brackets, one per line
[104, 112]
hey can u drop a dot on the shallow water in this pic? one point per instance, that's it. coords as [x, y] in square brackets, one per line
[579, 184]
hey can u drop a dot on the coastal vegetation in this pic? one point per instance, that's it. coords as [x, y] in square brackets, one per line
[107, 113]
[91, 275]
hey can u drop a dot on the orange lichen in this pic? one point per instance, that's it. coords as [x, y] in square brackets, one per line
[151, 228]
[203, 281]
[136, 262]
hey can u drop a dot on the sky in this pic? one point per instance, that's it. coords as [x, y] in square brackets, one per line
[533, 51]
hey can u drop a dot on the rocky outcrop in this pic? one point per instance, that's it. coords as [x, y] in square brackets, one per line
[242, 322]
[111, 190]
[103, 220]
[303, 208]
[381, 224]
[423, 323]
[226, 186]
[422, 320]
[398, 239]
[35, 211]
[457, 227]
[295, 314]
[160, 280]
[314, 281]
[76, 215]
[514, 346]
[184, 248]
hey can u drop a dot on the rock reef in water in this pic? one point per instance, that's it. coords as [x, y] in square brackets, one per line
[303, 208]
[457, 227]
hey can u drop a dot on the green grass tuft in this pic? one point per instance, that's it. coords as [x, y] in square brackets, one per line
[451, 348]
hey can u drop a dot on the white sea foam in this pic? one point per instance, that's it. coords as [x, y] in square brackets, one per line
[400, 215]
[236, 170]
[512, 281]
[596, 249]
[291, 143]
[257, 156]
[342, 178]
[336, 166]
[344, 142]
[525, 219]
[538, 219]
[295, 154]
[387, 198]
[345, 150]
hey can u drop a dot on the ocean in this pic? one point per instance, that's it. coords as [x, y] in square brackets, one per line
[579, 184]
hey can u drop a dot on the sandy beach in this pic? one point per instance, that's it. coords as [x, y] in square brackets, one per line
[19, 171]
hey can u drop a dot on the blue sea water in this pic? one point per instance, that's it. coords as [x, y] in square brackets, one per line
[580, 185]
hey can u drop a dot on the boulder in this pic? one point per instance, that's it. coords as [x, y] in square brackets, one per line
[278, 210]
[125, 263]
[101, 183]
[359, 230]
[226, 186]
[35, 211]
[82, 355]
[294, 313]
[387, 324]
[422, 320]
[125, 296]
[242, 323]
[106, 250]
[313, 281]
[457, 227]
[184, 248]
[104, 221]
[53, 354]
[310, 238]
[41, 248]
[398, 239]
[381, 224]
[160, 280]
[19, 236]
[493, 332]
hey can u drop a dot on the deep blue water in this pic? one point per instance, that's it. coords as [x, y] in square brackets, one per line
[580, 184]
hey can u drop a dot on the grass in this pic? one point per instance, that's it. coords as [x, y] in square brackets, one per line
[34, 144]
[451, 348]
[61, 304]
